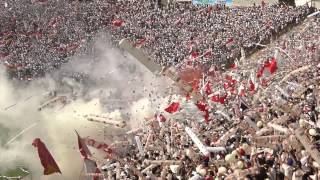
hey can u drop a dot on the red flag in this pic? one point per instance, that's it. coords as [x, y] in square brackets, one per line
[225, 85]
[173, 107]
[272, 66]
[215, 98]
[49, 164]
[206, 116]
[117, 22]
[201, 106]
[251, 85]
[83, 148]
[231, 80]
[260, 72]
[223, 99]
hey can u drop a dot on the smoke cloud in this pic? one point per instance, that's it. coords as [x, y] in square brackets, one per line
[104, 81]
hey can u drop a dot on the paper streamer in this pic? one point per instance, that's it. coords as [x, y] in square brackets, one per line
[224, 114]
[197, 141]
[163, 162]
[150, 167]
[279, 128]
[134, 131]
[168, 143]
[137, 138]
[251, 123]
[282, 91]
[216, 149]
[223, 139]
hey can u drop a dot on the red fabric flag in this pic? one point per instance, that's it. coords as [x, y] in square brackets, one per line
[117, 22]
[215, 98]
[49, 164]
[260, 72]
[201, 106]
[272, 66]
[173, 107]
[225, 85]
[231, 80]
[223, 98]
[206, 116]
[83, 148]
[251, 85]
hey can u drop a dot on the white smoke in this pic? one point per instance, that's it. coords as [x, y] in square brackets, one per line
[116, 86]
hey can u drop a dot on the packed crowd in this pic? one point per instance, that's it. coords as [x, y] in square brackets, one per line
[260, 121]
[39, 36]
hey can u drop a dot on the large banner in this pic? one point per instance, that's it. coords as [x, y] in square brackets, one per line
[196, 2]
[212, 2]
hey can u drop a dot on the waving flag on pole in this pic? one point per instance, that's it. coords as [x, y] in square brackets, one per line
[49, 164]
[83, 148]
[173, 107]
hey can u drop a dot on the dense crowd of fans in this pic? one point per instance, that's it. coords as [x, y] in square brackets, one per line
[254, 133]
[252, 117]
[38, 36]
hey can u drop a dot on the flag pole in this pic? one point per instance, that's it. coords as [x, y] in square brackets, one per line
[81, 171]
